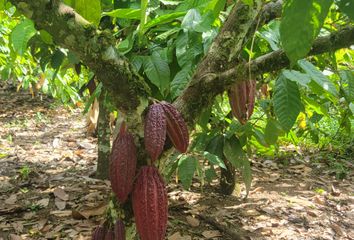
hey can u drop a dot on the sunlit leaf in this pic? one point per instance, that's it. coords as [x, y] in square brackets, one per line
[21, 34]
[186, 168]
[318, 77]
[158, 72]
[89, 9]
[126, 13]
[287, 102]
[300, 24]
[346, 6]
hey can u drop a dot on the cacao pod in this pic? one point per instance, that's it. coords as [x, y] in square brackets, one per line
[119, 230]
[177, 129]
[99, 233]
[155, 131]
[150, 204]
[123, 164]
[109, 235]
[242, 97]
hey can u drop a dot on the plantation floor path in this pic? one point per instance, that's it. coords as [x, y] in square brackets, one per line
[46, 192]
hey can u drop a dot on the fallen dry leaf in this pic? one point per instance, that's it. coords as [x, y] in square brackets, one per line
[18, 226]
[60, 193]
[192, 221]
[211, 234]
[11, 200]
[59, 213]
[43, 202]
[178, 236]
[60, 204]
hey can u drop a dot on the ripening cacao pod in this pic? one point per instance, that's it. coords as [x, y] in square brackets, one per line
[155, 130]
[109, 235]
[119, 230]
[150, 204]
[123, 164]
[242, 97]
[177, 129]
[99, 233]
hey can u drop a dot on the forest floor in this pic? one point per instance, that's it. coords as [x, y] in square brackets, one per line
[46, 192]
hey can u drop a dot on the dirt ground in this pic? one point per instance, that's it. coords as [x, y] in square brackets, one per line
[46, 191]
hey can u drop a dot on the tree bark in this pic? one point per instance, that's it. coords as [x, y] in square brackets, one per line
[103, 139]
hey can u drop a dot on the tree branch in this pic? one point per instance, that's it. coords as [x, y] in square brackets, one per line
[95, 48]
[277, 60]
[224, 50]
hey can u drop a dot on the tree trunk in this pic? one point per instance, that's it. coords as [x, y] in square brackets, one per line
[103, 141]
[227, 180]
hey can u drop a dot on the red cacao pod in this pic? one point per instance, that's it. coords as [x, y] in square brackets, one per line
[109, 235]
[99, 233]
[150, 204]
[119, 230]
[155, 131]
[242, 98]
[123, 164]
[177, 129]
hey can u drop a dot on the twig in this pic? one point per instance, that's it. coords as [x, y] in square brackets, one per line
[233, 234]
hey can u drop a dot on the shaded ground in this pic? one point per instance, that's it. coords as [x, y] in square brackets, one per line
[46, 192]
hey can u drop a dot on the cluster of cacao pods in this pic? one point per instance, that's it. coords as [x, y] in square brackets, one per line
[242, 97]
[104, 233]
[164, 119]
[149, 196]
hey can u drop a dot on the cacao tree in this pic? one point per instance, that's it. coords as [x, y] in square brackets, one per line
[165, 64]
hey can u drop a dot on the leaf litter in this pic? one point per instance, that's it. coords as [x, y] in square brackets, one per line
[46, 191]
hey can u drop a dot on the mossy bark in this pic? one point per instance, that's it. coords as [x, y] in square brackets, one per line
[103, 139]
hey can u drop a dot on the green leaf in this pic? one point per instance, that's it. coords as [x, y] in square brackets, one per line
[300, 25]
[186, 168]
[270, 33]
[216, 6]
[188, 47]
[287, 102]
[191, 20]
[233, 151]
[92, 98]
[215, 160]
[180, 81]
[314, 105]
[296, 76]
[235, 155]
[259, 135]
[272, 131]
[210, 174]
[348, 77]
[351, 107]
[216, 146]
[346, 6]
[143, 17]
[318, 77]
[158, 72]
[46, 37]
[89, 9]
[21, 34]
[248, 2]
[163, 19]
[126, 13]
[57, 59]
